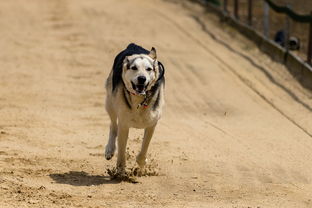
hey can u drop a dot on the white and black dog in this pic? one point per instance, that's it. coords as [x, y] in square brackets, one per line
[135, 96]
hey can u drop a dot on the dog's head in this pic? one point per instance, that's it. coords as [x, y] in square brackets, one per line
[140, 72]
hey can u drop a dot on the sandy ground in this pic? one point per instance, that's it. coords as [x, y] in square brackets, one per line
[236, 131]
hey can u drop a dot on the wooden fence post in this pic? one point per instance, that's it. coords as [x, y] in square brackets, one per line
[287, 31]
[250, 12]
[236, 9]
[225, 6]
[310, 44]
[266, 19]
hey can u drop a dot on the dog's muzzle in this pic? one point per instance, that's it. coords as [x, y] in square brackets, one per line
[139, 88]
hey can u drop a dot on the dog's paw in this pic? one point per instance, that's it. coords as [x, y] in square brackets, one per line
[109, 152]
[121, 171]
[141, 161]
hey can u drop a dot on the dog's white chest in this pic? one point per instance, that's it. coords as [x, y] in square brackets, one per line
[142, 117]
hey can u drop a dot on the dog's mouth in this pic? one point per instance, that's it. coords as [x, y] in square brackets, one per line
[139, 88]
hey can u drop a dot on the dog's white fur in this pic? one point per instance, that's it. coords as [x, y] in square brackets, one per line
[122, 117]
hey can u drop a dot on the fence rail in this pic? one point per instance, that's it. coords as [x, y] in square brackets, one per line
[286, 10]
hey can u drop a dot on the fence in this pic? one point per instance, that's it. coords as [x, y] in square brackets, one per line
[249, 11]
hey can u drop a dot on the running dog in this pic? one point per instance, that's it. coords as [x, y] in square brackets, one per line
[135, 97]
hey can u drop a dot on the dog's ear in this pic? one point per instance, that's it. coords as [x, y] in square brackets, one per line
[126, 62]
[152, 53]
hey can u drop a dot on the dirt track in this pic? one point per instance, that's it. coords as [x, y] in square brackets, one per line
[236, 130]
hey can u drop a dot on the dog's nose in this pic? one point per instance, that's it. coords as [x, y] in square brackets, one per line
[141, 79]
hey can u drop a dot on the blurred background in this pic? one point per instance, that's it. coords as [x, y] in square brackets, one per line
[277, 21]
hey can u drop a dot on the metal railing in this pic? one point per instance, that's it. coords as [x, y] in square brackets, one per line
[267, 5]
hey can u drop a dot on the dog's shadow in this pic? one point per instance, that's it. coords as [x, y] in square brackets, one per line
[81, 178]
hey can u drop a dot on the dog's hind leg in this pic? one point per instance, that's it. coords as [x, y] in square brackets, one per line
[148, 133]
[111, 144]
[123, 133]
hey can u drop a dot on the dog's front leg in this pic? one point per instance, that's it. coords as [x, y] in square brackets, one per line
[123, 133]
[148, 133]
[111, 144]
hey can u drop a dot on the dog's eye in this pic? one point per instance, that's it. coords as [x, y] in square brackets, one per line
[149, 69]
[134, 68]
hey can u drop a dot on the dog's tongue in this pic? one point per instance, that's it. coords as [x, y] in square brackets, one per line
[140, 89]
